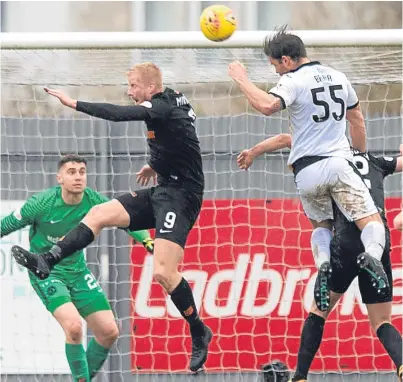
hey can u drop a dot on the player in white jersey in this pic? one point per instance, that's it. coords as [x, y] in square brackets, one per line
[319, 100]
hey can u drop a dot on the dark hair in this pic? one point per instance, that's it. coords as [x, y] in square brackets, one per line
[70, 158]
[282, 43]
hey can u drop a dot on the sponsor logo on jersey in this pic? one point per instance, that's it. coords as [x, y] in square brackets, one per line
[54, 239]
[165, 230]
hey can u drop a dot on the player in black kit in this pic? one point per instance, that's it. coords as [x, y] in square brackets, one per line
[345, 247]
[171, 207]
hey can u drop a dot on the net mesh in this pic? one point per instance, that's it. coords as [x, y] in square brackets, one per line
[107, 67]
[248, 258]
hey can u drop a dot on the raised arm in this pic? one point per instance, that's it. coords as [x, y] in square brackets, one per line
[278, 142]
[105, 111]
[113, 113]
[266, 103]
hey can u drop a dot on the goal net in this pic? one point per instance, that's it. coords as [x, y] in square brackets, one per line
[248, 258]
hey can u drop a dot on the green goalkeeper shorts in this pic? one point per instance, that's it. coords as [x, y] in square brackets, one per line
[81, 288]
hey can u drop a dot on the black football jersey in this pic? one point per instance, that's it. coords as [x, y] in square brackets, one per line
[174, 146]
[373, 171]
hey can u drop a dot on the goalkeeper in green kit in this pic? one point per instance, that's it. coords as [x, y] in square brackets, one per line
[71, 290]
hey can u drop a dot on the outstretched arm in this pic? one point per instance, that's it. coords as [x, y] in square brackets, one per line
[10, 224]
[266, 103]
[105, 111]
[20, 218]
[278, 142]
[113, 113]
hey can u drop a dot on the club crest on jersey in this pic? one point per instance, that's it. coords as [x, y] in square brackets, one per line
[150, 134]
[51, 290]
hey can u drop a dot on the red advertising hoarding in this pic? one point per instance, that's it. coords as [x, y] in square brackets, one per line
[251, 269]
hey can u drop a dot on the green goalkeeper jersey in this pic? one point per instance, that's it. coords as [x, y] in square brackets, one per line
[50, 219]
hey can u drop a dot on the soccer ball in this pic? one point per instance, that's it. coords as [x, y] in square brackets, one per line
[217, 23]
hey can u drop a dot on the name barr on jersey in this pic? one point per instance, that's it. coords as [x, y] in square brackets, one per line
[323, 77]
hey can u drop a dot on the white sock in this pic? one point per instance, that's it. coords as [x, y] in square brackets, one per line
[320, 244]
[373, 238]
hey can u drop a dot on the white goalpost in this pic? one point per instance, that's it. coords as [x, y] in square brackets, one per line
[191, 39]
[248, 258]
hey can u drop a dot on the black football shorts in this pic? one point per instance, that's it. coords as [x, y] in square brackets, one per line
[345, 269]
[171, 209]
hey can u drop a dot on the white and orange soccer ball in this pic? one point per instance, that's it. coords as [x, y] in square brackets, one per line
[217, 23]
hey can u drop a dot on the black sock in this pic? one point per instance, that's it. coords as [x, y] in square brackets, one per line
[78, 238]
[392, 342]
[311, 338]
[182, 297]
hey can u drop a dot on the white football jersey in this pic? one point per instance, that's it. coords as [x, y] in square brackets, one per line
[317, 98]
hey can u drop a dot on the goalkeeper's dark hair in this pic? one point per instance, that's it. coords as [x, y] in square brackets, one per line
[283, 43]
[70, 158]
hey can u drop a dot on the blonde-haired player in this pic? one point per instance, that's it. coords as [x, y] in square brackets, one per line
[171, 207]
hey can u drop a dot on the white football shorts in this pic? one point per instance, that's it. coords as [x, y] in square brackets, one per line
[334, 179]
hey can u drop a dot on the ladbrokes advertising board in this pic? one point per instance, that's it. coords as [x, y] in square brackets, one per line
[251, 269]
